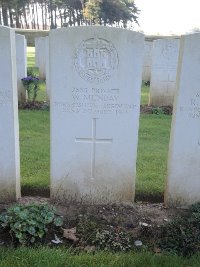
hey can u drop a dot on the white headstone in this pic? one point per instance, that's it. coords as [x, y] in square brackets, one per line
[37, 43]
[183, 182]
[40, 56]
[95, 76]
[146, 73]
[21, 46]
[47, 67]
[9, 130]
[163, 71]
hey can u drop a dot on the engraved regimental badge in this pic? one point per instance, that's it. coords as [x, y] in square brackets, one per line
[96, 59]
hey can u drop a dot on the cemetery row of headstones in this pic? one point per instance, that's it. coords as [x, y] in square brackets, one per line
[42, 60]
[160, 68]
[95, 105]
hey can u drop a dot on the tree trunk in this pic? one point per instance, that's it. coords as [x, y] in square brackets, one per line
[65, 17]
[33, 17]
[61, 18]
[51, 15]
[21, 21]
[25, 17]
[37, 15]
[17, 19]
[43, 27]
[28, 16]
[77, 18]
[5, 14]
[0, 17]
[11, 18]
[70, 18]
[55, 19]
[74, 18]
[46, 14]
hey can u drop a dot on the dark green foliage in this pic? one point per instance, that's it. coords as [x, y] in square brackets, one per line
[158, 110]
[182, 235]
[195, 208]
[108, 12]
[119, 10]
[32, 72]
[29, 223]
[146, 83]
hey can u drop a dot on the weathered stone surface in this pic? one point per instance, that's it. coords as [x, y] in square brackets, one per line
[146, 73]
[21, 58]
[183, 181]
[40, 56]
[9, 131]
[95, 81]
[163, 71]
[47, 68]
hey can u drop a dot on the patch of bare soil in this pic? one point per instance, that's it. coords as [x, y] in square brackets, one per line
[136, 220]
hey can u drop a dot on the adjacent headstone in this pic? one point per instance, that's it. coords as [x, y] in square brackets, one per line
[183, 181]
[40, 56]
[21, 47]
[146, 73]
[9, 131]
[37, 43]
[47, 68]
[163, 71]
[95, 76]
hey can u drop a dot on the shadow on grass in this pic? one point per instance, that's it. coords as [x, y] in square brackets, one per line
[35, 191]
[155, 197]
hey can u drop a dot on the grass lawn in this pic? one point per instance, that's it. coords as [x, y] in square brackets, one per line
[152, 155]
[31, 57]
[144, 95]
[45, 257]
[34, 149]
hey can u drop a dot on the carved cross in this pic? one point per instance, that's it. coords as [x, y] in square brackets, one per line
[93, 140]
